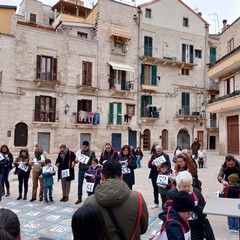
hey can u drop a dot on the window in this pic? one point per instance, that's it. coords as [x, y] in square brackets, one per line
[187, 53]
[82, 35]
[185, 22]
[117, 79]
[149, 74]
[130, 110]
[229, 85]
[45, 109]
[212, 55]
[119, 45]
[213, 120]
[198, 53]
[87, 73]
[148, 46]
[184, 71]
[185, 110]
[230, 45]
[115, 113]
[33, 17]
[46, 68]
[145, 101]
[148, 13]
[84, 109]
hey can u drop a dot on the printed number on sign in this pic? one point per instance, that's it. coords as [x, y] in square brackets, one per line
[89, 187]
[162, 180]
[158, 161]
[125, 170]
[65, 173]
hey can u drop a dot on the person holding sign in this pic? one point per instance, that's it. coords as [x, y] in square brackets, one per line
[84, 157]
[163, 181]
[108, 153]
[128, 161]
[23, 169]
[65, 163]
[93, 176]
[3, 162]
[156, 160]
[37, 163]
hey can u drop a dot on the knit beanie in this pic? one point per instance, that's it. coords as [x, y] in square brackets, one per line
[183, 202]
[86, 143]
[233, 178]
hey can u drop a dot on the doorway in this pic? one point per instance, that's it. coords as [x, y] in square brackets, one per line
[212, 142]
[21, 135]
[233, 135]
[85, 137]
[183, 139]
[117, 141]
[132, 138]
[165, 139]
[146, 140]
[44, 141]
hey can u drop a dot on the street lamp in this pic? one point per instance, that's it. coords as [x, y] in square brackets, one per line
[67, 108]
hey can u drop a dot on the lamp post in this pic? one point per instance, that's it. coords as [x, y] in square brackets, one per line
[67, 108]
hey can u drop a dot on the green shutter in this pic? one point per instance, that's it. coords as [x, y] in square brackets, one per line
[154, 75]
[110, 117]
[186, 103]
[142, 74]
[119, 113]
[148, 46]
[149, 100]
[212, 55]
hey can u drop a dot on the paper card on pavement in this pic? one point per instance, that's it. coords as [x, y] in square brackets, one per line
[158, 161]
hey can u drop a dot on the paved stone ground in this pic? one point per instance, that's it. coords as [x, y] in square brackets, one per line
[54, 220]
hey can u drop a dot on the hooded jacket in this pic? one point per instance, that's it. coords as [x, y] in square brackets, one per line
[115, 193]
[174, 228]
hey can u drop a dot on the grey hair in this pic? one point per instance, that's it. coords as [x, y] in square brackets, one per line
[183, 177]
[158, 147]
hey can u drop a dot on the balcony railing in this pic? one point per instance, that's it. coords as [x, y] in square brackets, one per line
[127, 86]
[213, 85]
[230, 95]
[213, 123]
[85, 117]
[45, 116]
[150, 112]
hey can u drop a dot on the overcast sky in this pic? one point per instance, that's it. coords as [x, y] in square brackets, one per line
[213, 11]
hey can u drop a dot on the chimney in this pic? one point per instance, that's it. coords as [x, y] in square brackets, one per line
[225, 26]
[199, 14]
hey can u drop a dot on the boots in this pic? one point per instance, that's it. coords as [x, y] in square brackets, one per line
[19, 197]
[8, 192]
[25, 196]
[3, 191]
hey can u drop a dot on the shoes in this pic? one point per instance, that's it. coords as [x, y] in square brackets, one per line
[61, 200]
[19, 197]
[230, 230]
[78, 201]
[52, 201]
[154, 206]
[46, 202]
[40, 199]
[65, 199]
[235, 231]
[33, 199]
[25, 198]
[7, 195]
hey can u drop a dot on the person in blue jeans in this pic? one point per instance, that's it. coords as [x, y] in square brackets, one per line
[47, 174]
[139, 156]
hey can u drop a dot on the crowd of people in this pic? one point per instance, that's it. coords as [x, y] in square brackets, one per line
[109, 183]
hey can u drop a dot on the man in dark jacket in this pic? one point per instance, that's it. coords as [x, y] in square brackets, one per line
[195, 147]
[108, 154]
[230, 166]
[114, 195]
[65, 163]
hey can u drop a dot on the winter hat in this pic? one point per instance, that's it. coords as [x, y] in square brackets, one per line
[183, 202]
[86, 143]
[233, 178]
[63, 146]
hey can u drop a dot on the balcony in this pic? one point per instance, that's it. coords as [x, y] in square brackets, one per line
[229, 102]
[45, 118]
[213, 88]
[212, 125]
[187, 114]
[47, 80]
[85, 118]
[121, 90]
[229, 63]
[157, 56]
[150, 114]
[85, 85]
[149, 83]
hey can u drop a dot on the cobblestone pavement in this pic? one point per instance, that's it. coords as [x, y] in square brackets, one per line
[38, 219]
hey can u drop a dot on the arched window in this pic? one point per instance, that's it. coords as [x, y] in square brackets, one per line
[146, 139]
[21, 135]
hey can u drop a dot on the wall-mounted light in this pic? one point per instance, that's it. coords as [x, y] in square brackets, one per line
[67, 107]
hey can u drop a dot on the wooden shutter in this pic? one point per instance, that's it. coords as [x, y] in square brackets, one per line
[147, 46]
[154, 75]
[38, 70]
[183, 52]
[89, 74]
[119, 113]
[111, 77]
[54, 69]
[191, 53]
[52, 106]
[186, 103]
[212, 55]
[123, 80]
[37, 108]
[142, 73]
[110, 117]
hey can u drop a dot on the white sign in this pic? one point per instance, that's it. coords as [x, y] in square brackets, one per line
[125, 170]
[65, 173]
[162, 180]
[89, 187]
[1, 157]
[23, 167]
[47, 169]
[83, 159]
[39, 161]
[158, 161]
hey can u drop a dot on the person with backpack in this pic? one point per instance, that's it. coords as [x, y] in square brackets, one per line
[108, 154]
[88, 154]
[175, 218]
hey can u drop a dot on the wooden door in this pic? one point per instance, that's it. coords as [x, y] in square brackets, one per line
[21, 135]
[200, 137]
[165, 139]
[146, 140]
[233, 135]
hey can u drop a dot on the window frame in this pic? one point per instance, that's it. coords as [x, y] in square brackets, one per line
[148, 13]
[230, 45]
[185, 22]
[82, 34]
[87, 73]
[33, 18]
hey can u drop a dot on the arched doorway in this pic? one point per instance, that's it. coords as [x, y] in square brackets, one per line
[165, 139]
[183, 139]
[21, 135]
[146, 139]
